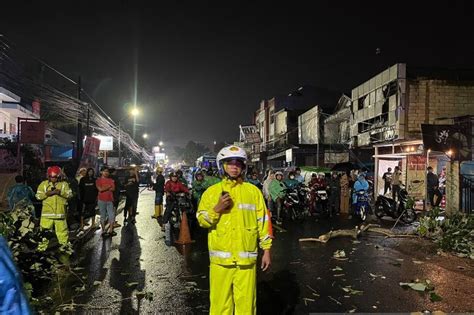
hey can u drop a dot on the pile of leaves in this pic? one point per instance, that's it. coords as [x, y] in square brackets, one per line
[36, 257]
[454, 233]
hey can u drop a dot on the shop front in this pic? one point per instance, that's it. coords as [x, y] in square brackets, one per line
[413, 161]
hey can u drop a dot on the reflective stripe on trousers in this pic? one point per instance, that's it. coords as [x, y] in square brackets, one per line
[248, 254]
[220, 254]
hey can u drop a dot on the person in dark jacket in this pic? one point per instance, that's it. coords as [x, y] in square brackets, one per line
[433, 188]
[334, 193]
[88, 197]
[132, 190]
[159, 188]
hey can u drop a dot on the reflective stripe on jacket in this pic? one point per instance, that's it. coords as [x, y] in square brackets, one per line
[54, 207]
[233, 236]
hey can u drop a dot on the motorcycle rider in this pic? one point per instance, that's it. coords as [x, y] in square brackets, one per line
[198, 187]
[360, 184]
[254, 180]
[298, 175]
[318, 182]
[210, 179]
[181, 177]
[172, 186]
[334, 192]
[291, 181]
[277, 192]
[235, 215]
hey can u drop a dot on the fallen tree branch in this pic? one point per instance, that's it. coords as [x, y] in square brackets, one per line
[354, 233]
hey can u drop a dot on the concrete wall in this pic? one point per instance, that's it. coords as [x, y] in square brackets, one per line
[432, 99]
[308, 126]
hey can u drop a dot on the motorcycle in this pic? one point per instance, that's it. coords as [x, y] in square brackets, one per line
[294, 203]
[362, 205]
[401, 209]
[320, 201]
[181, 203]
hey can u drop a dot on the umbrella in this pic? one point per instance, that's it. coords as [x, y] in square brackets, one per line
[345, 167]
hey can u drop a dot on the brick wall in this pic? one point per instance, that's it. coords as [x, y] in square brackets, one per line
[431, 99]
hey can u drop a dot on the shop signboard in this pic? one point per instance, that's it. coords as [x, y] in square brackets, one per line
[90, 153]
[449, 138]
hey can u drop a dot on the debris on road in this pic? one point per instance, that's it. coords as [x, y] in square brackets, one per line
[355, 233]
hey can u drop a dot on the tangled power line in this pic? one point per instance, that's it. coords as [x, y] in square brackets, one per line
[33, 79]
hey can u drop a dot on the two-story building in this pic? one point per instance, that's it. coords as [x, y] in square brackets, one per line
[389, 109]
[285, 120]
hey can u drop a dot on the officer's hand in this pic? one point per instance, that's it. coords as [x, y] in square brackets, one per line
[50, 193]
[224, 204]
[266, 260]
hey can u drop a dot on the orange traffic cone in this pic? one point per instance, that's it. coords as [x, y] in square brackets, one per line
[184, 234]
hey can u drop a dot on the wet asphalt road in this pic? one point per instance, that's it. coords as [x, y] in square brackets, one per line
[304, 277]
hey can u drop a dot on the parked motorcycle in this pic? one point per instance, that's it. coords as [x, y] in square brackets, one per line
[401, 209]
[362, 206]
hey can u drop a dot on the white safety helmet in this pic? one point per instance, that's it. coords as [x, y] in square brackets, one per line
[321, 174]
[278, 173]
[230, 153]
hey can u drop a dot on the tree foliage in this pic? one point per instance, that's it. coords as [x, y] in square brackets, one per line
[453, 233]
[191, 152]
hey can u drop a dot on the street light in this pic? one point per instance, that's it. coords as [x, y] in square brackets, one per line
[134, 112]
[160, 143]
[145, 136]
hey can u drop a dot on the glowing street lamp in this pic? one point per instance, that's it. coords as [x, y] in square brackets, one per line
[145, 136]
[134, 113]
[160, 143]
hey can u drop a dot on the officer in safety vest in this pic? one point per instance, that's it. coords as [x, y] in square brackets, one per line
[54, 195]
[235, 214]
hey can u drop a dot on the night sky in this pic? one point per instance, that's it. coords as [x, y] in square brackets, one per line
[203, 67]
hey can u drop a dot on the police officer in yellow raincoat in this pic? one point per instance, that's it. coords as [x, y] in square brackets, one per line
[234, 211]
[54, 195]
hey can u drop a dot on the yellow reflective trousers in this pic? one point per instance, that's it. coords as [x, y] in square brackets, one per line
[233, 289]
[59, 226]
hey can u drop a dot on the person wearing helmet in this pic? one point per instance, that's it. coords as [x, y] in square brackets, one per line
[235, 215]
[298, 175]
[291, 181]
[159, 188]
[198, 187]
[172, 186]
[277, 192]
[254, 180]
[54, 195]
[360, 184]
[210, 179]
[181, 178]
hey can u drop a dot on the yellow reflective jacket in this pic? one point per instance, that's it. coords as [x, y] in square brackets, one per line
[233, 236]
[54, 207]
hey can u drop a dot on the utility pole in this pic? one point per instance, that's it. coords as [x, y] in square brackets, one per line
[79, 132]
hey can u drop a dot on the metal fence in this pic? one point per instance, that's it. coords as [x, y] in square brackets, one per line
[467, 193]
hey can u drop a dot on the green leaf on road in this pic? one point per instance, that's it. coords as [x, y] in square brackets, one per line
[97, 283]
[80, 289]
[339, 254]
[435, 297]
[131, 284]
[415, 286]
